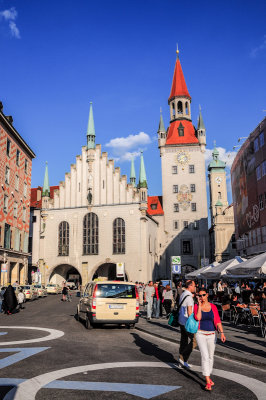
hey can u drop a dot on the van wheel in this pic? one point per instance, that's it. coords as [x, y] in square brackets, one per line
[88, 324]
[132, 326]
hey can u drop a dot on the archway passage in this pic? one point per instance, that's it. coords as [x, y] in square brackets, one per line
[107, 271]
[65, 272]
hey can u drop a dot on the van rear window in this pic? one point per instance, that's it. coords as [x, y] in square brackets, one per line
[109, 291]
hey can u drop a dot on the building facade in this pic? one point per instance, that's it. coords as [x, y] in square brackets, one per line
[96, 218]
[182, 148]
[222, 231]
[248, 177]
[15, 175]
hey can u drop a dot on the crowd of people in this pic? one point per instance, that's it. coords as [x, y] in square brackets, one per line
[197, 299]
[9, 302]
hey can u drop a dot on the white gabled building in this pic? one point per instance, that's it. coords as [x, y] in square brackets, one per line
[95, 218]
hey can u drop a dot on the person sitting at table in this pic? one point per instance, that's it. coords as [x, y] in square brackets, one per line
[234, 301]
[263, 301]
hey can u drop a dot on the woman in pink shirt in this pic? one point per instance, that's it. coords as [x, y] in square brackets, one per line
[209, 322]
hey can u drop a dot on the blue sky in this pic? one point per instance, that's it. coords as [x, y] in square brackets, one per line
[56, 56]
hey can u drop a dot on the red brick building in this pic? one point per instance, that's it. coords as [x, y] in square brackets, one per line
[15, 193]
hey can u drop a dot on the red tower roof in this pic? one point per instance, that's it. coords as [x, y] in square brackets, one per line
[179, 87]
[189, 133]
[155, 205]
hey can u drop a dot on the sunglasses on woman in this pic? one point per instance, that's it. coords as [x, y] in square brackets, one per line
[202, 295]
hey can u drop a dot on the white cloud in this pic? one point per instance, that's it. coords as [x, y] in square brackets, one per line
[124, 148]
[10, 16]
[226, 156]
[254, 52]
[129, 142]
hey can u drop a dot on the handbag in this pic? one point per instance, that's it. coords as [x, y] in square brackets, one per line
[174, 315]
[192, 325]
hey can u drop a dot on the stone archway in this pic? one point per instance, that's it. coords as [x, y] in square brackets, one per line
[107, 271]
[63, 272]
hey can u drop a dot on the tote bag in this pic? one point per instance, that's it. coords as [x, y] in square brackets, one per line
[191, 324]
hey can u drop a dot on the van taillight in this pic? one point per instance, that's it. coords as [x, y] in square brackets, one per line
[94, 297]
[137, 298]
[28, 292]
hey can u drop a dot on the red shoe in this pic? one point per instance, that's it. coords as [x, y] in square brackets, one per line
[208, 387]
[211, 382]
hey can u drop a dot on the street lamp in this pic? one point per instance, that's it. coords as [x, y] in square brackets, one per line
[241, 138]
[235, 147]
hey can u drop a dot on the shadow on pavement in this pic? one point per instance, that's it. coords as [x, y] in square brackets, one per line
[152, 350]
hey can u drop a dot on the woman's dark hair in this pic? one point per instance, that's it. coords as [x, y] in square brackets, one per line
[203, 290]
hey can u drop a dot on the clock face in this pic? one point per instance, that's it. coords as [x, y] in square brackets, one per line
[218, 180]
[182, 158]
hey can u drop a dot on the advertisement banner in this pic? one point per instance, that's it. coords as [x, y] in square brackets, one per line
[120, 270]
[4, 268]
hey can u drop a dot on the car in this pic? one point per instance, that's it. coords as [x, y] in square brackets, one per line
[71, 284]
[109, 302]
[53, 288]
[30, 292]
[42, 292]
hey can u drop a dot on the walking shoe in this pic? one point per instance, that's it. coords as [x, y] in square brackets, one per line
[187, 365]
[181, 362]
[211, 382]
[208, 387]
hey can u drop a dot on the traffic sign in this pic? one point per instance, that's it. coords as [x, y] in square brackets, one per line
[176, 269]
[176, 260]
[4, 268]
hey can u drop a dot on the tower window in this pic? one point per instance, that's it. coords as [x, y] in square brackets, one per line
[191, 169]
[175, 225]
[181, 130]
[17, 157]
[193, 188]
[261, 138]
[187, 247]
[180, 107]
[185, 224]
[174, 169]
[7, 175]
[26, 166]
[176, 207]
[186, 107]
[175, 188]
[196, 225]
[173, 109]
[219, 195]
[193, 207]
[154, 206]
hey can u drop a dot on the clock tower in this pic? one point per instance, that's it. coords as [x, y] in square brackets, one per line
[182, 148]
[222, 215]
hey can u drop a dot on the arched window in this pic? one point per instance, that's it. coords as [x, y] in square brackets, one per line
[180, 107]
[119, 236]
[90, 234]
[186, 107]
[63, 239]
[173, 110]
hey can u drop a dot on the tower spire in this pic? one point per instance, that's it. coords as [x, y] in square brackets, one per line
[91, 130]
[132, 173]
[142, 173]
[161, 123]
[46, 187]
[200, 121]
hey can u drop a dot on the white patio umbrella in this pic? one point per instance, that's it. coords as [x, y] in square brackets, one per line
[220, 270]
[255, 266]
[197, 272]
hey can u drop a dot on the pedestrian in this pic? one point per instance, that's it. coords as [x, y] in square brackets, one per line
[64, 292]
[160, 290]
[179, 291]
[263, 302]
[2, 298]
[148, 298]
[167, 299]
[156, 301]
[10, 301]
[21, 298]
[187, 341]
[209, 322]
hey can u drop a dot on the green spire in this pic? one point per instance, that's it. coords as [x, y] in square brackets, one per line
[46, 187]
[91, 130]
[216, 164]
[132, 173]
[142, 173]
[201, 125]
[161, 123]
[218, 204]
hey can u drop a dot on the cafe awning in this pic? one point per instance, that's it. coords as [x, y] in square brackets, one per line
[255, 266]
